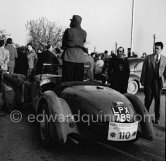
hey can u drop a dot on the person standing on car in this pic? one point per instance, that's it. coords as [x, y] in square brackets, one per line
[119, 71]
[153, 77]
[73, 55]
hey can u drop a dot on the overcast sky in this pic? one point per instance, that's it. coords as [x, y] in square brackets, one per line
[105, 21]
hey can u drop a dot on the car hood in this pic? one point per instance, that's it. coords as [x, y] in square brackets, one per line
[95, 100]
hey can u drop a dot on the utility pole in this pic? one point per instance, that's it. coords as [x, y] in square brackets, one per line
[154, 37]
[132, 23]
[116, 44]
[94, 49]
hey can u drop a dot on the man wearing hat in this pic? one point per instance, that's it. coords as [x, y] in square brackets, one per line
[73, 55]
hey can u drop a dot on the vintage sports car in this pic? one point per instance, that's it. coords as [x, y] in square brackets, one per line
[86, 110]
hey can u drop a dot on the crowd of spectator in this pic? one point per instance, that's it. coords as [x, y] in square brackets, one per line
[28, 61]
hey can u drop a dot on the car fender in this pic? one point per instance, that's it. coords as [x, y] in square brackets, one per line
[135, 78]
[61, 119]
[145, 123]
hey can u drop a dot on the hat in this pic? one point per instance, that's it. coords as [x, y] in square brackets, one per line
[76, 19]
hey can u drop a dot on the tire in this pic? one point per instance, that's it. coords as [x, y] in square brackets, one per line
[146, 126]
[133, 87]
[136, 103]
[44, 127]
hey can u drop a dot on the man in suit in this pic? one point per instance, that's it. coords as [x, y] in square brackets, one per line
[153, 78]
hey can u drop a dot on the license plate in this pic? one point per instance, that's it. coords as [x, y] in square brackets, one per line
[122, 131]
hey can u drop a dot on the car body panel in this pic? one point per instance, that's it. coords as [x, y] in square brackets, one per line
[59, 113]
[95, 100]
[145, 119]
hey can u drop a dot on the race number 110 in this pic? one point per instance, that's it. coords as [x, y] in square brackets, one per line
[124, 135]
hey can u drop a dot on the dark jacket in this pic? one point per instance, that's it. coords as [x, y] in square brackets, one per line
[50, 58]
[118, 72]
[118, 69]
[72, 42]
[21, 63]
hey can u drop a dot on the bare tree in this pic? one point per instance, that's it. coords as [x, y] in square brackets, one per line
[42, 32]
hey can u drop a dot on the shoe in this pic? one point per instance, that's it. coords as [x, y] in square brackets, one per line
[156, 122]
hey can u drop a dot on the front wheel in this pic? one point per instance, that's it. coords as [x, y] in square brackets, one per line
[132, 87]
[44, 127]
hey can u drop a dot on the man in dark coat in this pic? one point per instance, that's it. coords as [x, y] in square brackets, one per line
[119, 71]
[50, 58]
[153, 78]
[73, 54]
[21, 61]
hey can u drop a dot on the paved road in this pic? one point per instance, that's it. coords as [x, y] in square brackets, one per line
[163, 106]
[19, 142]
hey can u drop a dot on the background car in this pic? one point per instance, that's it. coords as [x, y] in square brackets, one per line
[134, 84]
[135, 74]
